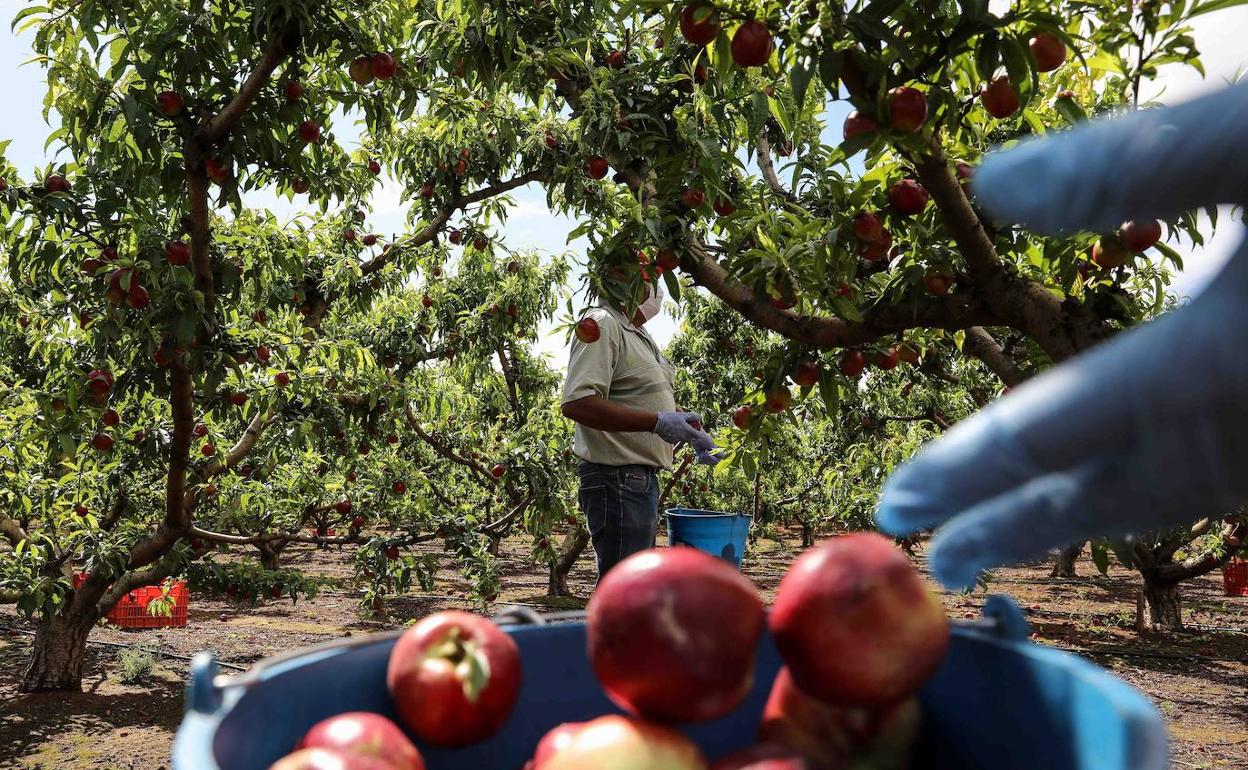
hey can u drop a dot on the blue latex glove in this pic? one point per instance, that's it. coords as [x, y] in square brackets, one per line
[708, 457]
[678, 427]
[1145, 432]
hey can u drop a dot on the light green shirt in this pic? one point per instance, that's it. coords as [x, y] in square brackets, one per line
[625, 366]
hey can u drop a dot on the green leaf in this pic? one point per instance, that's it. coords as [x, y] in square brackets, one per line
[1170, 254]
[1213, 5]
[799, 78]
[988, 55]
[1070, 110]
[829, 391]
[1100, 556]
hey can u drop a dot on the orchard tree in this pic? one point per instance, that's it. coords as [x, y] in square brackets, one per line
[695, 136]
[172, 337]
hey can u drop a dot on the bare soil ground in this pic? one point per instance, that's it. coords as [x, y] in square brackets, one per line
[1198, 678]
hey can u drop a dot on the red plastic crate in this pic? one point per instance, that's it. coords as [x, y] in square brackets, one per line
[328, 532]
[131, 610]
[1235, 578]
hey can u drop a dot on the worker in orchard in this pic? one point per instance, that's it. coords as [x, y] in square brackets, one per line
[620, 393]
[1145, 432]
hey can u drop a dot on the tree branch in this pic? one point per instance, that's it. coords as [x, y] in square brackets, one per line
[115, 512]
[153, 575]
[510, 378]
[443, 449]
[243, 446]
[288, 537]
[671, 482]
[973, 240]
[224, 121]
[982, 345]
[763, 154]
[11, 530]
[500, 527]
[440, 219]
[814, 481]
[952, 311]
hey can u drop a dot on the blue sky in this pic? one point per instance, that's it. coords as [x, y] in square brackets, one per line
[1219, 36]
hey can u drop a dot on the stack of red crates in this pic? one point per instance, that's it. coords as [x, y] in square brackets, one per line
[1235, 577]
[131, 610]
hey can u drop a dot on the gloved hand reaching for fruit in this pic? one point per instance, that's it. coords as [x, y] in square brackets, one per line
[686, 427]
[1145, 432]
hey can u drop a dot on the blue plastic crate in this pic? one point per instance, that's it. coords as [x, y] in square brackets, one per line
[997, 702]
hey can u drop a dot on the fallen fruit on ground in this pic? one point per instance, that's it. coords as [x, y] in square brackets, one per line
[454, 678]
[672, 635]
[856, 625]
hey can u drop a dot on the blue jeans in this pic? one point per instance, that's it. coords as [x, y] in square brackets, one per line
[621, 507]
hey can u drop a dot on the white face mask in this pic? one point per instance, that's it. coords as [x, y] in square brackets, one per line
[654, 301]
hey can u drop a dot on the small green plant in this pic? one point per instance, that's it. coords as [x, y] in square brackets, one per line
[137, 663]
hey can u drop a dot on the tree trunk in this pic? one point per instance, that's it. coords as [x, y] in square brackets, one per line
[58, 652]
[493, 547]
[1064, 563]
[1158, 606]
[808, 533]
[271, 554]
[570, 550]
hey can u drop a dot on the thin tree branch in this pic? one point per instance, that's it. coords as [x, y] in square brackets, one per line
[115, 512]
[443, 215]
[676, 476]
[763, 154]
[510, 378]
[442, 449]
[499, 528]
[288, 537]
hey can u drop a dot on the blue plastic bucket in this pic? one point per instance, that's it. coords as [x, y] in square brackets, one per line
[998, 702]
[719, 534]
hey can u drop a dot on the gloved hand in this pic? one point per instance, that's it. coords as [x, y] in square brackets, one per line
[1145, 432]
[708, 458]
[678, 427]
